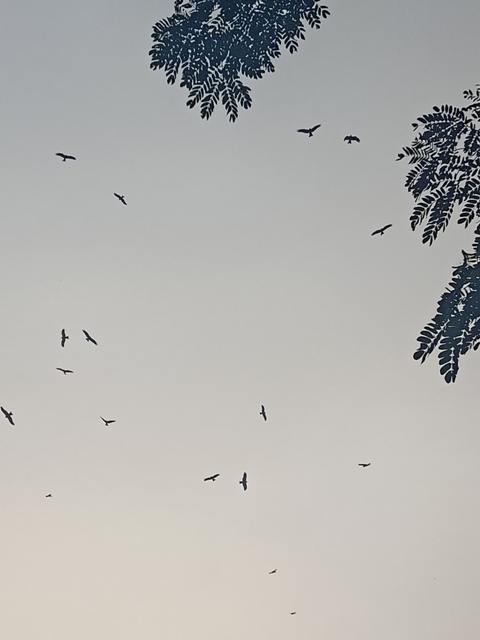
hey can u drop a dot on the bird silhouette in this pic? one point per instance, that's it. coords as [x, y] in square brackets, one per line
[212, 478]
[382, 230]
[64, 338]
[64, 371]
[65, 157]
[8, 415]
[49, 495]
[88, 337]
[309, 131]
[262, 413]
[270, 572]
[293, 613]
[243, 481]
[350, 139]
[121, 198]
[364, 464]
[107, 422]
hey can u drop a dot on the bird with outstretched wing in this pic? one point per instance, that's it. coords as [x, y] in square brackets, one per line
[350, 139]
[309, 131]
[64, 371]
[243, 481]
[8, 415]
[65, 157]
[89, 338]
[121, 198]
[63, 338]
[212, 478]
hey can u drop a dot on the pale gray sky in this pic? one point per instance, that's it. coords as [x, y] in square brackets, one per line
[242, 272]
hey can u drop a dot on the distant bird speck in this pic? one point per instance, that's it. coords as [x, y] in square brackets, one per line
[64, 371]
[270, 572]
[243, 481]
[8, 415]
[350, 139]
[121, 198]
[88, 337]
[364, 464]
[107, 422]
[65, 157]
[309, 131]
[64, 338]
[49, 495]
[212, 478]
[382, 230]
[263, 413]
[292, 613]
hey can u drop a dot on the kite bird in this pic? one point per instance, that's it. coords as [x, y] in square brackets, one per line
[292, 613]
[64, 371]
[121, 198]
[364, 464]
[107, 422]
[64, 157]
[8, 415]
[382, 230]
[350, 139]
[64, 338]
[88, 337]
[212, 478]
[243, 481]
[262, 413]
[270, 572]
[309, 131]
[49, 495]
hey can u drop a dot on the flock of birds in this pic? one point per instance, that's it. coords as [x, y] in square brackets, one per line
[348, 139]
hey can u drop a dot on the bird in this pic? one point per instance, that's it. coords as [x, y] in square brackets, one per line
[64, 371]
[212, 478]
[8, 415]
[292, 613]
[88, 337]
[270, 572]
[364, 464]
[309, 131]
[49, 495]
[350, 139]
[65, 157]
[121, 198]
[382, 230]
[64, 337]
[107, 422]
[262, 413]
[243, 481]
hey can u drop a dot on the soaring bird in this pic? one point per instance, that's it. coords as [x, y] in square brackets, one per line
[88, 337]
[262, 413]
[49, 495]
[65, 157]
[270, 572]
[64, 338]
[64, 371]
[382, 230]
[8, 415]
[309, 131]
[212, 478]
[350, 139]
[107, 422]
[364, 464]
[292, 613]
[243, 481]
[121, 198]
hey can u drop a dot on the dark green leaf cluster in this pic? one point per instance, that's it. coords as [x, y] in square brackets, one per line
[456, 327]
[211, 43]
[446, 174]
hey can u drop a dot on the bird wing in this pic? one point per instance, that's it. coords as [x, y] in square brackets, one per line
[356, 138]
[61, 155]
[315, 127]
[377, 231]
[303, 130]
[387, 226]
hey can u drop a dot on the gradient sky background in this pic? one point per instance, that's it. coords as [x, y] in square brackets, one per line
[242, 272]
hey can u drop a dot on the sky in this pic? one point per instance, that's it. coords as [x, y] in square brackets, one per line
[241, 272]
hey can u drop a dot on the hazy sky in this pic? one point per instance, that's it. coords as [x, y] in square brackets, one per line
[242, 272]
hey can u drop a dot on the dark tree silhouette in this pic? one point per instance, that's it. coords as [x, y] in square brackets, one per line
[445, 179]
[211, 43]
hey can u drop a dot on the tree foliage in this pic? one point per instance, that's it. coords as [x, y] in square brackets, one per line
[211, 43]
[445, 179]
